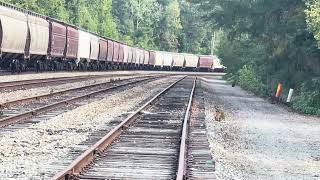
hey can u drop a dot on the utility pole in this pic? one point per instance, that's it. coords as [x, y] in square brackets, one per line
[77, 13]
[212, 42]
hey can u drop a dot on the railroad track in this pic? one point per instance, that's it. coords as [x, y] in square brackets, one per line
[16, 85]
[152, 143]
[20, 110]
[199, 160]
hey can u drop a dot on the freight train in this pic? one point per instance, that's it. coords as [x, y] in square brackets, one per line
[33, 41]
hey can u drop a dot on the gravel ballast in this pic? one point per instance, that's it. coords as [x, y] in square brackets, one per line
[27, 152]
[27, 93]
[22, 77]
[258, 140]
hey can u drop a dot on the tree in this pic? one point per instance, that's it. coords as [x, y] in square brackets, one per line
[136, 19]
[169, 26]
[51, 8]
[313, 18]
[196, 33]
[106, 26]
[94, 15]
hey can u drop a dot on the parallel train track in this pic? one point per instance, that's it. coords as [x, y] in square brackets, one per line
[21, 110]
[15, 85]
[23, 84]
[152, 143]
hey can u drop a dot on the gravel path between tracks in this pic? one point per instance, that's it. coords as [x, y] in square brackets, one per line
[21, 94]
[21, 77]
[258, 140]
[27, 152]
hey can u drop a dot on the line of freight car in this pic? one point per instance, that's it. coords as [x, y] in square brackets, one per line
[185, 62]
[31, 40]
[35, 107]
[147, 142]
[44, 43]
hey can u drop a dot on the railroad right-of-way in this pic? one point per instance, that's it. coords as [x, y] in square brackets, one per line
[19, 110]
[151, 143]
[47, 137]
[154, 116]
[155, 125]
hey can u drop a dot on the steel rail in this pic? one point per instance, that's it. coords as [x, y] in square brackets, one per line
[30, 82]
[19, 101]
[20, 117]
[183, 145]
[11, 84]
[87, 157]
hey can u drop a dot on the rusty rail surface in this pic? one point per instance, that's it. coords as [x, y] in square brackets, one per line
[20, 117]
[200, 163]
[183, 145]
[87, 157]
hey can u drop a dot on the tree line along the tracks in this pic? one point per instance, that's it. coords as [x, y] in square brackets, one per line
[263, 43]
[169, 25]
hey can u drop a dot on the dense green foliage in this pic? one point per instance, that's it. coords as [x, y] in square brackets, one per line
[313, 17]
[93, 15]
[196, 33]
[262, 42]
[308, 101]
[151, 24]
[135, 19]
[269, 42]
[171, 25]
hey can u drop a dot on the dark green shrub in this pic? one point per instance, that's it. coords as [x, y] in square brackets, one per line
[249, 80]
[308, 100]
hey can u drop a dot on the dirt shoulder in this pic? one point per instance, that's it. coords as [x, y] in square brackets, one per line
[258, 140]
